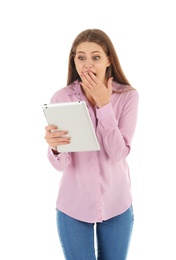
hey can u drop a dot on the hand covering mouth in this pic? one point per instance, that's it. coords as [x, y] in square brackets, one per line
[91, 72]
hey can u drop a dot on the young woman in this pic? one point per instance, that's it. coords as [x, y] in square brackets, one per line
[95, 188]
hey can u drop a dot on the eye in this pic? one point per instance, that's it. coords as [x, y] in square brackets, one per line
[96, 57]
[81, 58]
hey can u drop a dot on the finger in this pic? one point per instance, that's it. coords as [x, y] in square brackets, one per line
[85, 82]
[48, 128]
[93, 78]
[53, 136]
[88, 80]
[58, 133]
[58, 141]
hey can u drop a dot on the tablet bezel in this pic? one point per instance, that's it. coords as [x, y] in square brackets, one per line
[75, 118]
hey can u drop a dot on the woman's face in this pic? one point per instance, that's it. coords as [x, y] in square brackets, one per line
[90, 57]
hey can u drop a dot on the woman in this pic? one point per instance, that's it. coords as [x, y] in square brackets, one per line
[95, 189]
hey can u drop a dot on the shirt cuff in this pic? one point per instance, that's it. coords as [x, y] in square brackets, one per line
[104, 111]
[106, 115]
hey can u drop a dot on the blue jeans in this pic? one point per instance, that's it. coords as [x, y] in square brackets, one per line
[112, 236]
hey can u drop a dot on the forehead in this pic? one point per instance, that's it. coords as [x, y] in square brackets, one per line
[89, 47]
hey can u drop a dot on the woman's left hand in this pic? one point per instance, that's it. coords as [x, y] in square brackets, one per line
[98, 91]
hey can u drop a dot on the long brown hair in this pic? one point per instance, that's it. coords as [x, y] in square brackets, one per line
[99, 37]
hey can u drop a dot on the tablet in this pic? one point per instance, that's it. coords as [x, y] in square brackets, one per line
[73, 117]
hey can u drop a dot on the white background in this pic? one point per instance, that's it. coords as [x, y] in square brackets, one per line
[35, 39]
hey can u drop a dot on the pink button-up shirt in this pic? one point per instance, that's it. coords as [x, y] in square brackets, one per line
[95, 186]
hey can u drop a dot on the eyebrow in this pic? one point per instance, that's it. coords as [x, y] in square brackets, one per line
[91, 52]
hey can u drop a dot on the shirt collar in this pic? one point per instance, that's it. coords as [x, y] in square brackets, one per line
[74, 88]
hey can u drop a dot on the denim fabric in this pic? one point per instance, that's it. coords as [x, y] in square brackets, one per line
[112, 237]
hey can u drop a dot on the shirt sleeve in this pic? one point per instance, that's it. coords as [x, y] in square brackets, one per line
[60, 161]
[117, 134]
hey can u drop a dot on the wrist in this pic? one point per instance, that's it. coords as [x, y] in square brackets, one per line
[103, 104]
[54, 150]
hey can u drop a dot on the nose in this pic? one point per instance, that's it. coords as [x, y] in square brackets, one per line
[88, 64]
